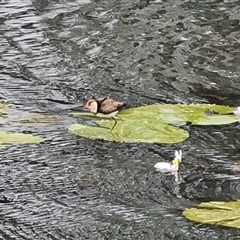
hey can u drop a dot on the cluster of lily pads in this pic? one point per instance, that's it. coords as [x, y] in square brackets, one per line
[157, 123]
[160, 124]
[151, 124]
[9, 116]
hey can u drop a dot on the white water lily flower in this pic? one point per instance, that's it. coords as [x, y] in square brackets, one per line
[237, 111]
[170, 167]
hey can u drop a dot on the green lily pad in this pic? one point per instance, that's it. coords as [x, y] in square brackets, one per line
[151, 123]
[216, 120]
[177, 114]
[131, 131]
[18, 138]
[216, 213]
[40, 119]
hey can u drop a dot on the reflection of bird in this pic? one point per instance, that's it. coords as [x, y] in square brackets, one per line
[105, 108]
[170, 167]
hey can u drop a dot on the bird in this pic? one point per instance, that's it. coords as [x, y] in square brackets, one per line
[105, 107]
[170, 167]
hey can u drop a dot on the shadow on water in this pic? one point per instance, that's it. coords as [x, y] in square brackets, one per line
[55, 55]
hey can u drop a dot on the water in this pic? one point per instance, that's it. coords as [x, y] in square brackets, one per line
[55, 55]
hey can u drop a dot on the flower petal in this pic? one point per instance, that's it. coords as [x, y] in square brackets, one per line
[237, 111]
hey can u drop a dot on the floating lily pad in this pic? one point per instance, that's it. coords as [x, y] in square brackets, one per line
[41, 119]
[216, 213]
[150, 123]
[177, 114]
[216, 120]
[18, 138]
[131, 131]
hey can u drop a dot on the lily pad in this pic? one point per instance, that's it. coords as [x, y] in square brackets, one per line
[216, 213]
[177, 114]
[131, 131]
[41, 119]
[18, 138]
[151, 123]
[216, 120]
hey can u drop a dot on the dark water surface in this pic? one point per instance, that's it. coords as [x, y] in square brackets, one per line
[55, 55]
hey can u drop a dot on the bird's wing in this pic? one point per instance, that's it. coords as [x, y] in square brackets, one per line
[101, 100]
[109, 105]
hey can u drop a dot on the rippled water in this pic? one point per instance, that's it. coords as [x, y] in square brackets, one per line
[55, 55]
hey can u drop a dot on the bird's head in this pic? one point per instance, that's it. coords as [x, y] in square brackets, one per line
[92, 105]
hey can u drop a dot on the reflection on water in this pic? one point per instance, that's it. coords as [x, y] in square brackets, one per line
[54, 55]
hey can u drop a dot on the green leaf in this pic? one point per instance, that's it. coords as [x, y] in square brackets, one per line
[216, 213]
[40, 119]
[177, 114]
[216, 120]
[131, 131]
[150, 123]
[17, 138]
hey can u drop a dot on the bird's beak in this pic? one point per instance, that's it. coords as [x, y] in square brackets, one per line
[85, 106]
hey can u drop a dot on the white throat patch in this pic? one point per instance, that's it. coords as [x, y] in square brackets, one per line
[93, 107]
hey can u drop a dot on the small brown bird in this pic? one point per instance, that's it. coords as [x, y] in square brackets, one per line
[105, 108]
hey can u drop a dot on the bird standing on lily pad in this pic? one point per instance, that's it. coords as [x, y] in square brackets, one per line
[105, 108]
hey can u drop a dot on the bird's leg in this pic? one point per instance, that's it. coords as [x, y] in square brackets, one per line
[121, 125]
[120, 118]
[115, 123]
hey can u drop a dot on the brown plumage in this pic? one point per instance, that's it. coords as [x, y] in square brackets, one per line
[108, 105]
[105, 107]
